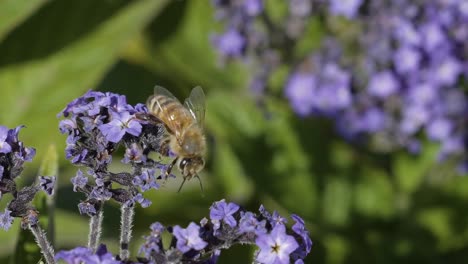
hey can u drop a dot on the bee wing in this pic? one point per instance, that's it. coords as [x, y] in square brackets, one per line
[195, 103]
[156, 108]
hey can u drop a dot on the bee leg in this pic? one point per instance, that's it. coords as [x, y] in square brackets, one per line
[164, 147]
[201, 185]
[180, 188]
[169, 169]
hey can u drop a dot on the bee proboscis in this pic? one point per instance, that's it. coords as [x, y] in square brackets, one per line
[184, 124]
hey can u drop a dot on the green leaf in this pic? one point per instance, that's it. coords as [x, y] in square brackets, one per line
[373, 195]
[410, 170]
[337, 201]
[49, 167]
[231, 173]
[34, 92]
[13, 12]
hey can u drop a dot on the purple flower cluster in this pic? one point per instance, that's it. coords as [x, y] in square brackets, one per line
[97, 124]
[86, 255]
[394, 69]
[229, 225]
[13, 154]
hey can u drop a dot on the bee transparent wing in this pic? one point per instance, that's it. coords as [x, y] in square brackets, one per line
[155, 106]
[195, 103]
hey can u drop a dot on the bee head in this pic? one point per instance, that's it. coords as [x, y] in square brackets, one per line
[191, 166]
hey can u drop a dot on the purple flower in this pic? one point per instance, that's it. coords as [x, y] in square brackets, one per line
[253, 7]
[146, 180]
[121, 123]
[446, 71]
[87, 208]
[74, 256]
[230, 44]
[79, 181]
[250, 224]
[277, 219]
[383, 84]
[300, 92]
[275, 247]
[406, 59]
[347, 8]
[100, 193]
[4, 146]
[141, 200]
[439, 129]
[299, 229]
[222, 211]
[85, 255]
[134, 154]
[6, 220]
[189, 238]
[47, 184]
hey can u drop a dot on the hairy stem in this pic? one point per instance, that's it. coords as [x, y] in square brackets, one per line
[43, 243]
[95, 226]
[126, 230]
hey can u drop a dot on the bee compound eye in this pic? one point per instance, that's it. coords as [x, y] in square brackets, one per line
[184, 163]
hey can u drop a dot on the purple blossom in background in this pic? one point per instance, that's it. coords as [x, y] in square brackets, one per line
[189, 238]
[397, 73]
[276, 246]
[230, 44]
[347, 8]
[300, 92]
[383, 84]
[224, 211]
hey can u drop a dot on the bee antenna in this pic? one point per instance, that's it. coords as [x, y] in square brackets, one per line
[180, 188]
[201, 185]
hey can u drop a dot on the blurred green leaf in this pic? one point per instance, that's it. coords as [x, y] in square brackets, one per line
[410, 170]
[373, 194]
[193, 63]
[43, 86]
[229, 170]
[49, 167]
[13, 12]
[337, 201]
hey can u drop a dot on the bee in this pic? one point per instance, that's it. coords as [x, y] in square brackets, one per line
[184, 125]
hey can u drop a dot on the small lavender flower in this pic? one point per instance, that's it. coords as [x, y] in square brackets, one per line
[276, 246]
[250, 224]
[6, 220]
[4, 146]
[146, 180]
[47, 184]
[87, 208]
[79, 181]
[222, 211]
[189, 238]
[86, 255]
[121, 123]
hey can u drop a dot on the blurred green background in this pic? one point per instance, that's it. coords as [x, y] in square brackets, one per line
[360, 207]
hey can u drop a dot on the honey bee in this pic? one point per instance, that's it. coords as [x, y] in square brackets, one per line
[184, 124]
